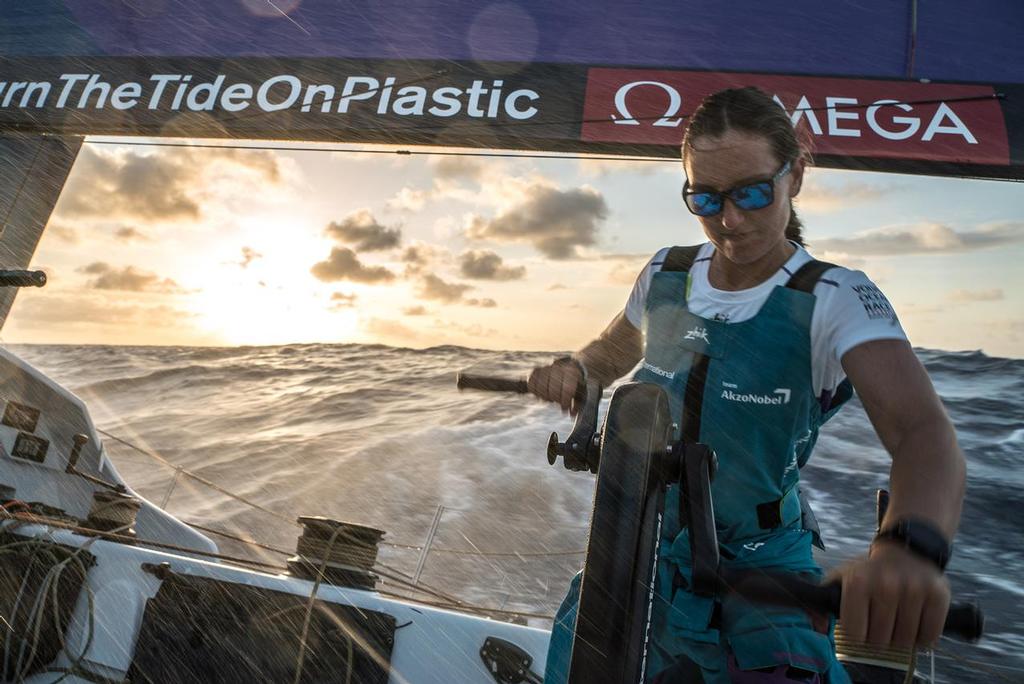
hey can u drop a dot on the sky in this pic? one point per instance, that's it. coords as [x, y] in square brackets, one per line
[189, 245]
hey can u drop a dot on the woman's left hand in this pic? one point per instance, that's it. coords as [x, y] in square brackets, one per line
[893, 598]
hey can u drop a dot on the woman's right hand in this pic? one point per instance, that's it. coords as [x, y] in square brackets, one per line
[559, 382]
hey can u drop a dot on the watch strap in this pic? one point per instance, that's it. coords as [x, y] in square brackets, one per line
[920, 538]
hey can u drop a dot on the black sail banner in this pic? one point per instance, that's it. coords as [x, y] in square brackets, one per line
[884, 86]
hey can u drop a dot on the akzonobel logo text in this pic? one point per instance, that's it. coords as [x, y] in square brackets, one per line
[778, 397]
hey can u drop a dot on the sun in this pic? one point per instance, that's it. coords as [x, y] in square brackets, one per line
[248, 314]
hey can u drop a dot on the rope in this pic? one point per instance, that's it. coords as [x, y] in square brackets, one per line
[911, 666]
[50, 586]
[309, 607]
[402, 152]
[114, 535]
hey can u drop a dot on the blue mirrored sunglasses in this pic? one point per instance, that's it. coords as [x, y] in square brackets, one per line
[750, 196]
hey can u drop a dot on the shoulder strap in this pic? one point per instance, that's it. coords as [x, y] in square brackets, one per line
[680, 258]
[808, 275]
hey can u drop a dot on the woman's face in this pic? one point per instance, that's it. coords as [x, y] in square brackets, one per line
[729, 161]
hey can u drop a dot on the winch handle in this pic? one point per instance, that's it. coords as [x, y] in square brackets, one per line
[490, 383]
[964, 620]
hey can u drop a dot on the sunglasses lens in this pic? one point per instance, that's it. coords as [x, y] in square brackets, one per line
[754, 196]
[704, 203]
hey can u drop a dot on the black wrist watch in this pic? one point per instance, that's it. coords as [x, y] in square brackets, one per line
[921, 538]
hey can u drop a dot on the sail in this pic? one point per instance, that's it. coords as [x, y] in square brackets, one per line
[924, 87]
[33, 170]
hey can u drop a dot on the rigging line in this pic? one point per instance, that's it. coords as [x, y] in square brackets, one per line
[456, 552]
[183, 471]
[199, 478]
[509, 554]
[442, 153]
[402, 152]
[484, 611]
[244, 540]
[401, 578]
[285, 15]
[97, 534]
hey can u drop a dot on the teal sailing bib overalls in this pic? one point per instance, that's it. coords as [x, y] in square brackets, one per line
[746, 390]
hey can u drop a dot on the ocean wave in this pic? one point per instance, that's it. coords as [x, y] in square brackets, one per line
[380, 435]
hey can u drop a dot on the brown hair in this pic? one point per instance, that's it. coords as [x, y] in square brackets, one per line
[750, 110]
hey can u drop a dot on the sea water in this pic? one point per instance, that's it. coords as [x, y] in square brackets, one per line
[459, 480]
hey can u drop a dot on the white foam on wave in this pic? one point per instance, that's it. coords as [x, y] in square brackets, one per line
[1002, 583]
[1015, 437]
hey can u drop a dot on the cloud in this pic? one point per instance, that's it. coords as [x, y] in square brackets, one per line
[146, 186]
[418, 254]
[452, 167]
[408, 199]
[486, 303]
[63, 232]
[557, 286]
[342, 300]
[815, 196]
[556, 222]
[248, 256]
[165, 184]
[471, 329]
[993, 295]
[625, 273]
[343, 264]
[421, 255]
[842, 259]
[362, 230]
[264, 162]
[925, 238]
[129, 234]
[415, 311]
[46, 310]
[383, 327]
[485, 265]
[127, 279]
[433, 288]
[603, 167]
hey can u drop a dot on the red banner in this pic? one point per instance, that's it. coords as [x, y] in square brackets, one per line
[847, 117]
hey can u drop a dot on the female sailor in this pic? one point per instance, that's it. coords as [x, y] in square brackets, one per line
[758, 344]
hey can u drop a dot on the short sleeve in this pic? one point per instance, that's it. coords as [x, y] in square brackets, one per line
[638, 295]
[850, 310]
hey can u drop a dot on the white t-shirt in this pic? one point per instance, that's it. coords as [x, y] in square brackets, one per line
[850, 309]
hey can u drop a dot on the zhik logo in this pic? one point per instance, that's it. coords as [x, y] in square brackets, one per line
[697, 333]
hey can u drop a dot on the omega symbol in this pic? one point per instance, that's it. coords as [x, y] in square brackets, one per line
[675, 103]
